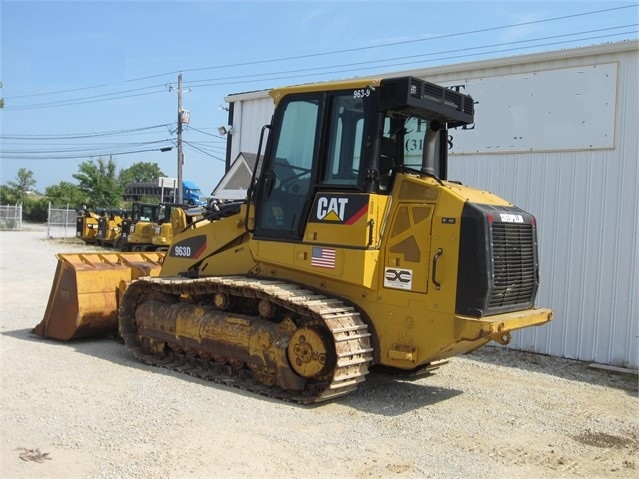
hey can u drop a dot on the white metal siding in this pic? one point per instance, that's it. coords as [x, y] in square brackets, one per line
[587, 208]
[249, 118]
[586, 204]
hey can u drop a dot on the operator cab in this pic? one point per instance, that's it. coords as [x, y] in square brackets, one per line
[350, 139]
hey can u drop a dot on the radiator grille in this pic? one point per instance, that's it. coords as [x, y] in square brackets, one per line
[514, 268]
[498, 269]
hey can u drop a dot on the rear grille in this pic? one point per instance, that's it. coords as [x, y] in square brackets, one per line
[498, 269]
[515, 279]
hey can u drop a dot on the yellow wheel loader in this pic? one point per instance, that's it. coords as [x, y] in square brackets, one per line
[351, 250]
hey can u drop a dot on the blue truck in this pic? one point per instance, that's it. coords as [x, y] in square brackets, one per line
[139, 191]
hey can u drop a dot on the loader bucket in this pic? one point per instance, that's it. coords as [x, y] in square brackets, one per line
[86, 289]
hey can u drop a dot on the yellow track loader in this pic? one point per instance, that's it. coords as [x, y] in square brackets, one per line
[351, 250]
[87, 225]
[163, 230]
[110, 228]
[139, 229]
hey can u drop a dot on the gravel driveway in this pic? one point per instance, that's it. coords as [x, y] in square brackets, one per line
[87, 409]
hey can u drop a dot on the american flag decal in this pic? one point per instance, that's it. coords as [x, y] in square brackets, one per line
[323, 257]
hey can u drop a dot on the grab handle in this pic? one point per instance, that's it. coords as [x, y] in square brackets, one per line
[435, 260]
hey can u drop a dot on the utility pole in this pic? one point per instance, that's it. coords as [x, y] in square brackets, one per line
[180, 155]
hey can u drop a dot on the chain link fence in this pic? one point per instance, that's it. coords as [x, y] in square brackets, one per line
[11, 217]
[61, 223]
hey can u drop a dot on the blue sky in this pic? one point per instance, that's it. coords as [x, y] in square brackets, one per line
[83, 79]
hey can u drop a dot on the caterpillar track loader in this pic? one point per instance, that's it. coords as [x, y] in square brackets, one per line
[138, 230]
[349, 251]
[110, 227]
[87, 225]
[163, 230]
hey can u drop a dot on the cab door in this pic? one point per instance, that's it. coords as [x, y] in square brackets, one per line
[286, 186]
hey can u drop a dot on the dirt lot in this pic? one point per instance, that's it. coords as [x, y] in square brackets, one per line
[87, 409]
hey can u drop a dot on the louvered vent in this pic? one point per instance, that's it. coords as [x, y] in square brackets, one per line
[389, 91]
[515, 279]
[498, 266]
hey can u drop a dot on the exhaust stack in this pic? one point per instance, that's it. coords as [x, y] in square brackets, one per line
[430, 145]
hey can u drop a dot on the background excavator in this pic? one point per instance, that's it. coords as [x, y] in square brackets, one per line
[348, 252]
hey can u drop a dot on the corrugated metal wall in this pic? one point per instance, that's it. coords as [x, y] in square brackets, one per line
[249, 118]
[586, 204]
[587, 208]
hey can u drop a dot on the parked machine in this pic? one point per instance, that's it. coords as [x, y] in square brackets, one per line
[348, 252]
[163, 230]
[110, 228]
[86, 225]
[139, 228]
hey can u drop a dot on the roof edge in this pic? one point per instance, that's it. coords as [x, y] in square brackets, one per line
[576, 52]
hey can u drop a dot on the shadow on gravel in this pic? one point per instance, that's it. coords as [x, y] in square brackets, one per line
[386, 394]
[103, 348]
[382, 393]
[568, 369]
[114, 351]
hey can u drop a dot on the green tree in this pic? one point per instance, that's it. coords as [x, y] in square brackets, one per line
[65, 193]
[141, 171]
[24, 183]
[7, 196]
[97, 179]
[36, 210]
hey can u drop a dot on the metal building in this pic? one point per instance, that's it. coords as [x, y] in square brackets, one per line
[556, 133]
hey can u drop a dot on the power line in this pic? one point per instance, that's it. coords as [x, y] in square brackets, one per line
[203, 151]
[371, 63]
[205, 133]
[403, 42]
[82, 151]
[85, 147]
[73, 157]
[76, 102]
[400, 64]
[80, 135]
[336, 52]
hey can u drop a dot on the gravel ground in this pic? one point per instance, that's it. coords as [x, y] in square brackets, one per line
[87, 409]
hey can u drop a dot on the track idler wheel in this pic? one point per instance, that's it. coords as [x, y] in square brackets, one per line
[307, 353]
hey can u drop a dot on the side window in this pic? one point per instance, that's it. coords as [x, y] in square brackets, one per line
[345, 136]
[287, 180]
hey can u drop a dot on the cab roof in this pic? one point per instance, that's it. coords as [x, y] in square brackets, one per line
[278, 93]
